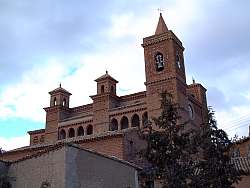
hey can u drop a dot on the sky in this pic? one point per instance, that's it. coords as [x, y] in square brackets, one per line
[44, 43]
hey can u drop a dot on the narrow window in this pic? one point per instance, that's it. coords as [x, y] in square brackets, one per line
[64, 102]
[178, 61]
[114, 125]
[190, 112]
[135, 121]
[124, 122]
[71, 133]
[112, 89]
[159, 61]
[62, 134]
[145, 119]
[55, 102]
[102, 89]
[89, 130]
[80, 131]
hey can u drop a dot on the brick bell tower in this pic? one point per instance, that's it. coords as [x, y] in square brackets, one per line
[58, 110]
[103, 101]
[164, 67]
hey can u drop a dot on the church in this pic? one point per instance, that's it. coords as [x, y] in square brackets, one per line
[109, 125]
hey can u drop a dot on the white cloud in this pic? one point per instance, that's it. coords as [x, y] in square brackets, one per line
[14, 142]
[27, 98]
[235, 120]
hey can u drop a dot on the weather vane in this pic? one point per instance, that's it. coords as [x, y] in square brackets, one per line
[160, 10]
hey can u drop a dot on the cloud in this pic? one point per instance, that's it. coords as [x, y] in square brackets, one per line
[45, 43]
[235, 120]
[30, 94]
[14, 142]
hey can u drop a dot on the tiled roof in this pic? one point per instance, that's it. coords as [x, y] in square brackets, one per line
[59, 89]
[61, 145]
[161, 26]
[242, 140]
[106, 76]
[79, 139]
[37, 131]
[241, 163]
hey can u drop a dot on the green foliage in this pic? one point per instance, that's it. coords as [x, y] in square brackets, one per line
[169, 150]
[215, 169]
[181, 158]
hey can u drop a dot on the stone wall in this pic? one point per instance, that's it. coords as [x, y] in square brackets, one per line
[48, 167]
[87, 169]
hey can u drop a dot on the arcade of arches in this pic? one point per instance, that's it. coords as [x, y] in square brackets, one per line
[114, 126]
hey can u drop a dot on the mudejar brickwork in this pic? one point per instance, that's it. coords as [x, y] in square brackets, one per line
[109, 124]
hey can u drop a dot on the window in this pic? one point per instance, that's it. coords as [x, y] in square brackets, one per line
[64, 102]
[62, 134]
[114, 125]
[55, 102]
[102, 89]
[145, 119]
[124, 122]
[178, 61]
[159, 61]
[112, 89]
[135, 121]
[89, 130]
[71, 133]
[190, 112]
[80, 131]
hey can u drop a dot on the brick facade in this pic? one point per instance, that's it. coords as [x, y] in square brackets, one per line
[113, 114]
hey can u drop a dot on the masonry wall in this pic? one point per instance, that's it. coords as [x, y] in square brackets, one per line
[13, 156]
[33, 172]
[85, 169]
[112, 146]
[3, 168]
[244, 183]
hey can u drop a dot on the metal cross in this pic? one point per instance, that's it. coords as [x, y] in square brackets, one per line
[160, 10]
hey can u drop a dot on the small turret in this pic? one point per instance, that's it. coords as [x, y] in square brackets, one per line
[59, 97]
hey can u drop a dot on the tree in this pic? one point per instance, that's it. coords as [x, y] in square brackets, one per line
[215, 168]
[169, 149]
[187, 158]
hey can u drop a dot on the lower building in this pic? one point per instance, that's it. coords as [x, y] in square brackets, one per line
[68, 166]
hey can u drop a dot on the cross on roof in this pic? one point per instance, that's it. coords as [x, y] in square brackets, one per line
[160, 10]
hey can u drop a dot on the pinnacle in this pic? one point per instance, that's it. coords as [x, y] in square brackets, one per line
[161, 26]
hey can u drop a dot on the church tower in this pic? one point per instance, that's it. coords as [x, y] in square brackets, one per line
[103, 101]
[164, 67]
[57, 111]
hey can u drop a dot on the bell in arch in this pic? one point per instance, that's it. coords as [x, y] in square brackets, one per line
[159, 61]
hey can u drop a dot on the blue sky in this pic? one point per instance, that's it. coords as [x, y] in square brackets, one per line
[74, 42]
